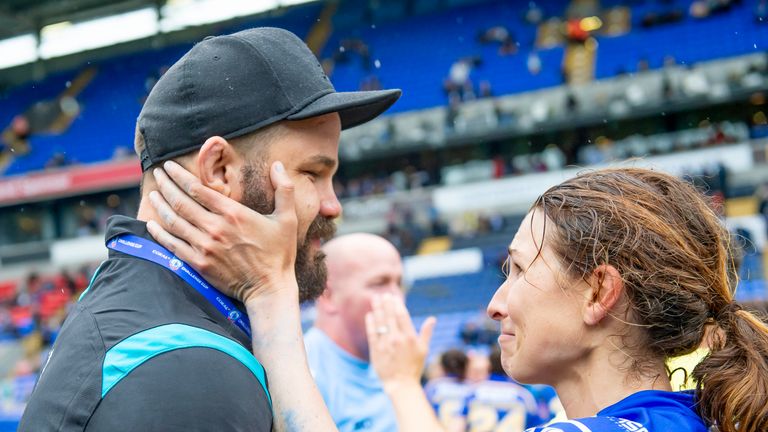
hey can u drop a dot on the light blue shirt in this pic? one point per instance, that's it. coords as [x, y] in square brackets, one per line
[349, 386]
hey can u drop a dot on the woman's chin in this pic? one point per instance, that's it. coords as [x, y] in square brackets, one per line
[517, 372]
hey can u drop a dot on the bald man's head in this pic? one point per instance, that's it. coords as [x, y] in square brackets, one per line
[348, 252]
[360, 266]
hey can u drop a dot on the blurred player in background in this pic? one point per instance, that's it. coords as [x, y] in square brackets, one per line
[448, 394]
[500, 404]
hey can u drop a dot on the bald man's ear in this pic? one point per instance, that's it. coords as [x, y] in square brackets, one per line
[219, 165]
[326, 302]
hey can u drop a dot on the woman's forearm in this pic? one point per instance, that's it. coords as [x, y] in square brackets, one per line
[414, 413]
[278, 344]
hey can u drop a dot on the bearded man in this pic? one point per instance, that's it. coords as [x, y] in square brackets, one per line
[152, 345]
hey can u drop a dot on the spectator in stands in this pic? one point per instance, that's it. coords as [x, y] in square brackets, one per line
[20, 127]
[574, 32]
[761, 11]
[360, 266]
[151, 79]
[534, 14]
[643, 65]
[533, 63]
[553, 157]
[350, 46]
[277, 110]
[500, 35]
[484, 89]
[370, 82]
[761, 194]
[571, 103]
[88, 223]
[458, 85]
[652, 19]
[705, 8]
[58, 160]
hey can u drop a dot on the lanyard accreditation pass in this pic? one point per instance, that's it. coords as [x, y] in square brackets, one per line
[151, 251]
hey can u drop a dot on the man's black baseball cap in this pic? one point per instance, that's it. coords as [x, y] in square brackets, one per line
[232, 85]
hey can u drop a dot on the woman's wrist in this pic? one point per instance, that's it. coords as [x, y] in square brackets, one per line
[275, 316]
[401, 386]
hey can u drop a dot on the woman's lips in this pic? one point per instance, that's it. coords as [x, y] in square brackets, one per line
[506, 337]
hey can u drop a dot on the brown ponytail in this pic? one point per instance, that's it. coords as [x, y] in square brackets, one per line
[674, 256]
[733, 379]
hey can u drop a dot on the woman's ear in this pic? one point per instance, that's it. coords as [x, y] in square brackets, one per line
[219, 166]
[606, 289]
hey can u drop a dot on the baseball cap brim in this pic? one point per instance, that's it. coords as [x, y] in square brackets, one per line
[354, 108]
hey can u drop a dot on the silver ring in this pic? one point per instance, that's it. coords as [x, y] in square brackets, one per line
[382, 330]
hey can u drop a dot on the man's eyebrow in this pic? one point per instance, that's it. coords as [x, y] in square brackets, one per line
[323, 160]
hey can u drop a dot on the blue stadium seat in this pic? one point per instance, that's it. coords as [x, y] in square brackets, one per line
[413, 53]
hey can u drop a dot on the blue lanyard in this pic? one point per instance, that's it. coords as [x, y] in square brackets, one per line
[142, 248]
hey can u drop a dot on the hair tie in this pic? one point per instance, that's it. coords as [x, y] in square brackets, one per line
[729, 309]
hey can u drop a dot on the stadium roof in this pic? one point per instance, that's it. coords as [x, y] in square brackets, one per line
[65, 33]
[24, 16]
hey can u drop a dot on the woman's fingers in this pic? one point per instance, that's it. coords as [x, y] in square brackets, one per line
[178, 247]
[178, 200]
[285, 203]
[171, 222]
[194, 190]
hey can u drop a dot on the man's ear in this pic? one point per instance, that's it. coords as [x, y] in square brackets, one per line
[606, 289]
[219, 166]
[326, 302]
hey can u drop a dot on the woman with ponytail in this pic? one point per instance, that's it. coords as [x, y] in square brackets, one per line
[611, 274]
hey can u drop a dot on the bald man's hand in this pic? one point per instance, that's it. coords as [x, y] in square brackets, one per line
[241, 252]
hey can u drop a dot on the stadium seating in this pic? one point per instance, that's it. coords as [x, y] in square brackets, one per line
[415, 57]
[407, 53]
[453, 293]
[721, 35]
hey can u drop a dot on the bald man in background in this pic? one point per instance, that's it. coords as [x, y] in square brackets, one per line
[360, 266]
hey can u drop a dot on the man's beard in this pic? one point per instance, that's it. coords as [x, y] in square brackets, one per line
[311, 271]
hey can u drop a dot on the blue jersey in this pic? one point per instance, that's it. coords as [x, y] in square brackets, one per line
[644, 411]
[448, 397]
[547, 401]
[502, 405]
